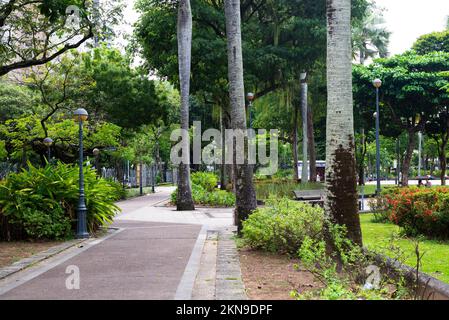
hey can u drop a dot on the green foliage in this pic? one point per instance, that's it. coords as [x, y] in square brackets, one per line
[282, 225]
[15, 100]
[378, 206]
[121, 94]
[343, 272]
[435, 41]
[21, 20]
[204, 191]
[418, 211]
[3, 152]
[206, 180]
[41, 202]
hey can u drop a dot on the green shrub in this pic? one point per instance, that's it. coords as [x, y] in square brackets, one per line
[422, 211]
[210, 197]
[282, 225]
[119, 191]
[206, 180]
[41, 202]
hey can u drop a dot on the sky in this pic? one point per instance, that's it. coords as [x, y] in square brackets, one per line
[406, 19]
[409, 19]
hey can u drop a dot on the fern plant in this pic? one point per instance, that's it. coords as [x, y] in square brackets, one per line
[41, 202]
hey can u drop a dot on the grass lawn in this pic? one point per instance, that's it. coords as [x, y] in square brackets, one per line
[134, 192]
[436, 253]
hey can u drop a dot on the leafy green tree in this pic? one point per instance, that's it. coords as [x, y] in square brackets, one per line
[411, 94]
[36, 32]
[15, 100]
[435, 41]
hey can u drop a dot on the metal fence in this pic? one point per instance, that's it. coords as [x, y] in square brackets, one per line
[131, 176]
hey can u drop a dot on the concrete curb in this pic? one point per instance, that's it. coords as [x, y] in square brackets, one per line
[185, 287]
[27, 262]
[41, 256]
[229, 284]
[430, 288]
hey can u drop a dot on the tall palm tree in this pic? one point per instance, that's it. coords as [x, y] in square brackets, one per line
[370, 37]
[341, 193]
[243, 175]
[184, 199]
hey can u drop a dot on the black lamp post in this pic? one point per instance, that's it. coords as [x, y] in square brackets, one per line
[81, 115]
[377, 83]
[48, 142]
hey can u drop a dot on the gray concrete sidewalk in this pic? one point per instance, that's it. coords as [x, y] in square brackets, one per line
[154, 253]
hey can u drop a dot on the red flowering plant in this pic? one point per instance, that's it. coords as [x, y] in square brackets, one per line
[420, 210]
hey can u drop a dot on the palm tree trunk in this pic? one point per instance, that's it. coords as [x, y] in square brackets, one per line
[341, 192]
[184, 199]
[304, 89]
[244, 187]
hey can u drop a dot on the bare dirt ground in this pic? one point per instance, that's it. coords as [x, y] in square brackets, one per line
[271, 277]
[11, 252]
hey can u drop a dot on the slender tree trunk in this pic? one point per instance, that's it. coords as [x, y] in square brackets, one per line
[304, 89]
[362, 160]
[244, 187]
[408, 157]
[311, 146]
[443, 161]
[295, 144]
[223, 151]
[341, 192]
[184, 199]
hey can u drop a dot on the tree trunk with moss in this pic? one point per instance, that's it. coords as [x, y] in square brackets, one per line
[341, 193]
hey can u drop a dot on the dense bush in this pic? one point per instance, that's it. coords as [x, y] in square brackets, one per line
[207, 180]
[282, 225]
[218, 198]
[204, 191]
[41, 202]
[420, 210]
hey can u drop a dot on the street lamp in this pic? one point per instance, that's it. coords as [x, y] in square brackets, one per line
[250, 97]
[48, 142]
[96, 153]
[377, 83]
[80, 115]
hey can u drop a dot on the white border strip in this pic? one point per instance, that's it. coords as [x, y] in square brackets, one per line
[185, 287]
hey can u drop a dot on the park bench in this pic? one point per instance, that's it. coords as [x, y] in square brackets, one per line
[314, 197]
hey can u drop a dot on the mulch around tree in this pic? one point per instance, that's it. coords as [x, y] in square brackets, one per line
[272, 277]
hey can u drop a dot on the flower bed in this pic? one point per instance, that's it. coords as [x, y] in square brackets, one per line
[420, 210]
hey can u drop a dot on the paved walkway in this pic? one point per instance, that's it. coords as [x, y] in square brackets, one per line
[154, 252]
